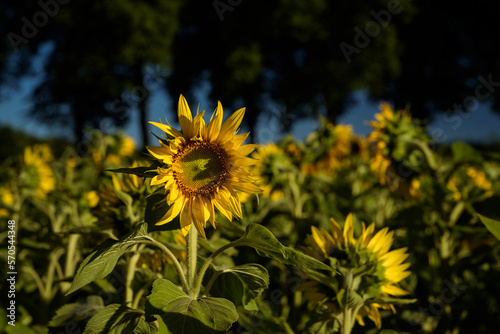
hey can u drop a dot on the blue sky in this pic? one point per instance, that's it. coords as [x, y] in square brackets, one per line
[482, 125]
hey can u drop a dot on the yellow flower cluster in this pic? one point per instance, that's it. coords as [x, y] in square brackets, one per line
[369, 250]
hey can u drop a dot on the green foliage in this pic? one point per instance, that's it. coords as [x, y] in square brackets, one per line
[183, 315]
[102, 261]
[241, 284]
[266, 244]
[89, 226]
[116, 319]
[492, 225]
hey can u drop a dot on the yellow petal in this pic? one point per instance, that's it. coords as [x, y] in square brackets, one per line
[167, 129]
[222, 206]
[348, 230]
[185, 118]
[173, 212]
[246, 187]
[231, 125]
[397, 273]
[200, 212]
[173, 194]
[246, 149]
[395, 257]
[213, 128]
[391, 289]
[186, 216]
[243, 161]
[160, 179]
[235, 142]
[318, 239]
[375, 243]
[336, 232]
[210, 206]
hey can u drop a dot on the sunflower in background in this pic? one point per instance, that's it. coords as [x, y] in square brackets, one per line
[202, 167]
[6, 200]
[113, 150]
[469, 182]
[112, 200]
[398, 144]
[271, 169]
[36, 173]
[369, 271]
[331, 149]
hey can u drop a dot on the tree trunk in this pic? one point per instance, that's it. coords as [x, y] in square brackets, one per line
[143, 102]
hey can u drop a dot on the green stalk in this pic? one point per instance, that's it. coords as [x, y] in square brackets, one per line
[177, 266]
[132, 263]
[429, 156]
[199, 280]
[191, 249]
[348, 316]
[69, 264]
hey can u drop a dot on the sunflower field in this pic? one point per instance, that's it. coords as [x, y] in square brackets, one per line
[203, 233]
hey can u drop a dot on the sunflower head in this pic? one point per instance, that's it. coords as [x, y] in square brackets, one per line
[331, 149]
[394, 140]
[36, 173]
[202, 167]
[369, 269]
[470, 183]
[273, 168]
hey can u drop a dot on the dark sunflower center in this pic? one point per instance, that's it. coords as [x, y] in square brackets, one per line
[201, 167]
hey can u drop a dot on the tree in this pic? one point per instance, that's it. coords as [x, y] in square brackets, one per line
[286, 53]
[99, 51]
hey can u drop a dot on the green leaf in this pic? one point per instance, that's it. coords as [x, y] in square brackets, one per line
[123, 196]
[185, 315]
[101, 261]
[492, 225]
[464, 153]
[399, 301]
[116, 319]
[241, 284]
[156, 208]
[388, 331]
[139, 171]
[76, 311]
[266, 244]
[19, 329]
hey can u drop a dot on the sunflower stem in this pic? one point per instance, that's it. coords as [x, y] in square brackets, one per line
[177, 265]
[347, 321]
[191, 249]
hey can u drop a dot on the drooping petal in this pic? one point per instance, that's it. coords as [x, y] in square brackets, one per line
[186, 216]
[160, 179]
[221, 205]
[210, 207]
[173, 212]
[173, 194]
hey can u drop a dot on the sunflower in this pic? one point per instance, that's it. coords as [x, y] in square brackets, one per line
[37, 172]
[202, 166]
[375, 270]
[271, 170]
[332, 148]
